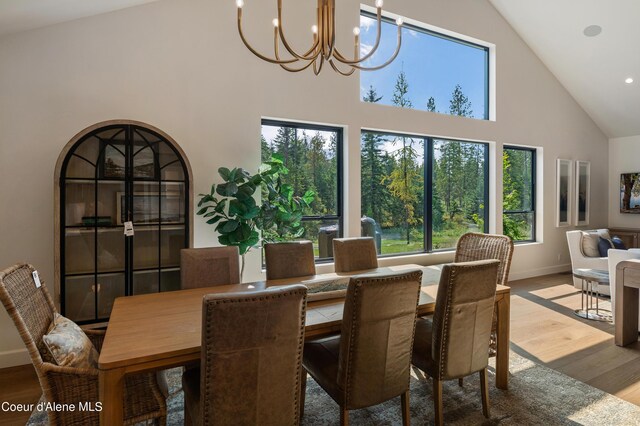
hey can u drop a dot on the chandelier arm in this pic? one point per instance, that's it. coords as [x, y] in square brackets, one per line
[276, 51]
[318, 68]
[395, 54]
[331, 18]
[346, 61]
[336, 69]
[305, 56]
[255, 52]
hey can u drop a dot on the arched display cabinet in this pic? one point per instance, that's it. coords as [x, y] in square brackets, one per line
[107, 175]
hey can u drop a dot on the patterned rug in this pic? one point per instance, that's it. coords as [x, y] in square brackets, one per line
[537, 396]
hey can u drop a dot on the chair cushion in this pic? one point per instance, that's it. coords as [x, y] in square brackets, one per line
[618, 243]
[603, 246]
[191, 388]
[422, 346]
[590, 242]
[68, 344]
[320, 359]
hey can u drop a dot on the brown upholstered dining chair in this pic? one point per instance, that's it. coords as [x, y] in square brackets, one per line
[32, 310]
[289, 260]
[209, 266]
[251, 359]
[370, 362]
[354, 254]
[455, 343]
[476, 246]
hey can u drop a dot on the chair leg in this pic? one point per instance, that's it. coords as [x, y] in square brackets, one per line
[406, 412]
[484, 390]
[303, 390]
[344, 417]
[461, 381]
[437, 402]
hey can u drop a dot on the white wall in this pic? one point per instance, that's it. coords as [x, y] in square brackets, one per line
[624, 157]
[180, 65]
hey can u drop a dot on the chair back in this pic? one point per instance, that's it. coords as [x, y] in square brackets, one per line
[290, 259]
[354, 254]
[463, 318]
[377, 338]
[251, 356]
[475, 246]
[210, 266]
[31, 308]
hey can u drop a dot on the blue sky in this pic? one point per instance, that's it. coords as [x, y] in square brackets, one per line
[433, 66]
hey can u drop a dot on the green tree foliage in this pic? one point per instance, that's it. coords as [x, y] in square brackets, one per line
[404, 182]
[431, 104]
[373, 189]
[516, 166]
[459, 103]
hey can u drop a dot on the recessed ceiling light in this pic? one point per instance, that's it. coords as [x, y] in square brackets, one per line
[628, 80]
[592, 30]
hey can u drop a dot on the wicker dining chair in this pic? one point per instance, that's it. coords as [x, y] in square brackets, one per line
[289, 260]
[354, 254]
[32, 310]
[476, 246]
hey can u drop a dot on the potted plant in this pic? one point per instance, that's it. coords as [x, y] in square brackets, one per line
[230, 206]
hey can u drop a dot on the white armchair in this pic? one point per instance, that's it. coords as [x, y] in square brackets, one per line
[580, 260]
[615, 257]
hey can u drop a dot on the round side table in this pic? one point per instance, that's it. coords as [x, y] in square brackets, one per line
[592, 278]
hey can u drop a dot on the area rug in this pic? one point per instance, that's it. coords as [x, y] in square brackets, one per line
[537, 396]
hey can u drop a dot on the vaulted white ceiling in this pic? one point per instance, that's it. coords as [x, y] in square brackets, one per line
[593, 69]
[20, 15]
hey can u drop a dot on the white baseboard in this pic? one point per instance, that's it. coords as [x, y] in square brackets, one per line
[14, 358]
[521, 275]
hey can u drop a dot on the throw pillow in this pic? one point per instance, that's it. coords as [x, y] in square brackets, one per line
[618, 243]
[68, 344]
[590, 244]
[603, 247]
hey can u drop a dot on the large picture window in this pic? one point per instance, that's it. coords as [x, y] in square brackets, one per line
[433, 72]
[519, 195]
[421, 193]
[313, 155]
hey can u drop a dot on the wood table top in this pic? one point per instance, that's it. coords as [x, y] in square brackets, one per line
[154, 326]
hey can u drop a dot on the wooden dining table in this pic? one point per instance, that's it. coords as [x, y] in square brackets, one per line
[163, 330]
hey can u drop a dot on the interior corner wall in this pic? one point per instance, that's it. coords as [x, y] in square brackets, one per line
[179, 65]
[624, 157]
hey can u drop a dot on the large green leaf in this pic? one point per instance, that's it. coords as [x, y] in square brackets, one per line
[224, 173]
[229, 226]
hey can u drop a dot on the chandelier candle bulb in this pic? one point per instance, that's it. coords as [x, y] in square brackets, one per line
[400, 21]
[323, 48]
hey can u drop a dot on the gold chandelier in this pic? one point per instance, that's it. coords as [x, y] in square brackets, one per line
[323, 47]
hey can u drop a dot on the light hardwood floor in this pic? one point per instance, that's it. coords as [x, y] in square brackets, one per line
[543, 329]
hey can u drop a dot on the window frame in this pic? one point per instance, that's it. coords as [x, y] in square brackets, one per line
[339, 216]
[533, 189]
[428, 179]
[486, 116]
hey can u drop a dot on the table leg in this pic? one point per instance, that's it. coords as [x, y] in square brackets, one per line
[502, 352]
[111, 395]
[626, 315]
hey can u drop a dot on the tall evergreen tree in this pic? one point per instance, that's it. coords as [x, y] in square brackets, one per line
[404, 180]
[459, 103]
[431, 104]
[374, 192]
